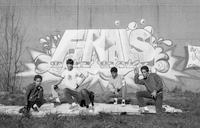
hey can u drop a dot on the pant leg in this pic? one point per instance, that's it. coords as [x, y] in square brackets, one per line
[140, 97]
[71, 96]
[53, 92]
[158, 102]
[85, 96]
[123, 92]
[107, 96]
[40, 102]
[30, 105]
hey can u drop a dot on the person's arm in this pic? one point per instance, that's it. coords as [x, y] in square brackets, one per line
[159, 85]
[111, 87]
[40, 96]
[82, 76]
[28, 91]
[56, 85]
[62, 77]
[56, 74]
[159, 82]
[59, 81]
[123, 82]
[137, 80]
[136, 77]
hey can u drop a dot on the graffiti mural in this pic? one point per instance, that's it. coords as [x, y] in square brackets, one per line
[95, 51]
[193, 56]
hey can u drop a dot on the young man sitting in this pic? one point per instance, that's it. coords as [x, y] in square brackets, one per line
[116, 87]
[34, 96]
[66, 89]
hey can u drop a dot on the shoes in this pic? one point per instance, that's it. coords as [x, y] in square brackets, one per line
[91, 109]
[24, 112]
[115, 101]
[55, 101]
[74, 107]
[123, 103]
[35, 109]
[143, 110]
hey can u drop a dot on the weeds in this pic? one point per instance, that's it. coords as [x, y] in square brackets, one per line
[188, 101]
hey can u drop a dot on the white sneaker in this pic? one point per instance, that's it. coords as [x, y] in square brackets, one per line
[91, 109]
[35, 108]
[57, 100]
[143, 110]
[123, 103]
[115, 100]
[74, 106]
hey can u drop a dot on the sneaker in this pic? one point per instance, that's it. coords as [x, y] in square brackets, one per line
[74, 107]
[123, 103]
[91, 109]
[35, 108]
[115, 100]
[143, 110]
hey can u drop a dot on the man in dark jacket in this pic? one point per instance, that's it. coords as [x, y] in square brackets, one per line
[154, 86]
[34, 95]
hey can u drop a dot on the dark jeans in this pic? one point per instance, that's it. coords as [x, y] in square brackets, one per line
[38, 102]
[144, 94]
[71, 96]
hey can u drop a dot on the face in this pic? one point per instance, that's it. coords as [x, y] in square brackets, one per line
[38, 81]
[69, 67]
[114, 74]
[144, 73]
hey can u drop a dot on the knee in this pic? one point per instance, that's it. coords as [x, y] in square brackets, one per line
[84, 92]
[67, 90]
[138, 94]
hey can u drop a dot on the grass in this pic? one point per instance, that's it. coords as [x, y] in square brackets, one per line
[187, 101]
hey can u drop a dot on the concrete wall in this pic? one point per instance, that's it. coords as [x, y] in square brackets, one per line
[176, 20]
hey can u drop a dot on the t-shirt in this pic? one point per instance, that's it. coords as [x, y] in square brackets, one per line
[116, 83]
[70, 79]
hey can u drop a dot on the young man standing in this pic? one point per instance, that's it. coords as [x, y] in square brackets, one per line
[154, 86]
[116, 87]
[68, 86]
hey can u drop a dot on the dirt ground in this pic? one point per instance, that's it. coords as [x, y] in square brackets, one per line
[187, 101]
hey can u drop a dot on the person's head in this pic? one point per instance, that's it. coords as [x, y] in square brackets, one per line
[37, 80]
[145, 71]
[70, 64]
[114, 71]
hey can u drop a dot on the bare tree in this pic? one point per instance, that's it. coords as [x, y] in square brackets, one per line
[11, 40]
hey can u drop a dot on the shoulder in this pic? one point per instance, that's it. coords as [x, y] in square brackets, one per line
[120, 77]
[154, 75]
[110, 80]
[76, 70]
[64, 72]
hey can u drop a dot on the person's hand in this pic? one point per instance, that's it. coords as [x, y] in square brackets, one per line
[116, 92]
[136, 70]
[77, 86]
[55, 87]
[153, 94]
